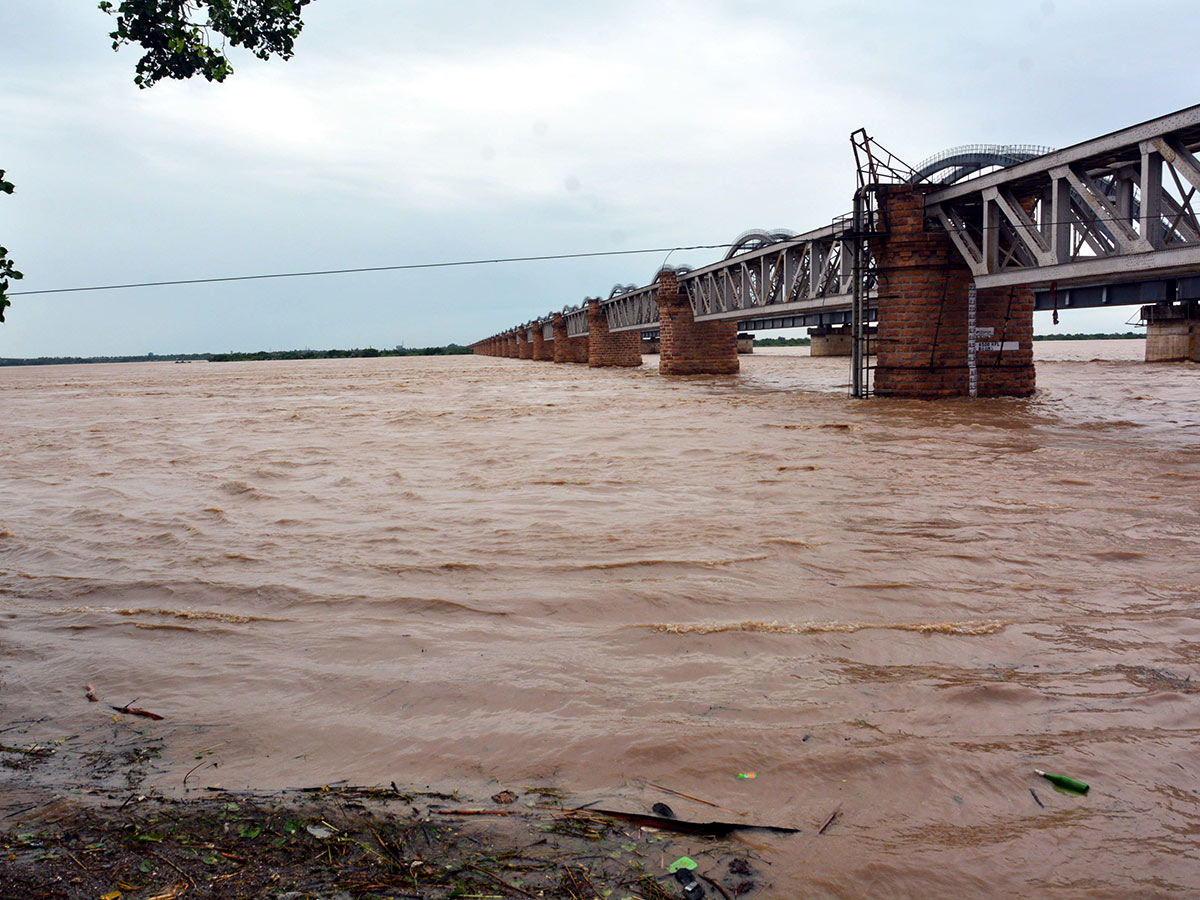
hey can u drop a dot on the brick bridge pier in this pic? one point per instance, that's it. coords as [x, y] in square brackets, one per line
[924, 298]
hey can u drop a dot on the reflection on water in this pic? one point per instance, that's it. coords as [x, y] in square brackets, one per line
[461, 571]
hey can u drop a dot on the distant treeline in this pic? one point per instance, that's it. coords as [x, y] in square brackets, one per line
[77, 360]
[782, 342]
[448, 350]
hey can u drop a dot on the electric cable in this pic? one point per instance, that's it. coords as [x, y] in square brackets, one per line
[348, 271]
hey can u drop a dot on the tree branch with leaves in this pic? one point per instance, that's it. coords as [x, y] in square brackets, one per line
[182, 38]
[179, 40]
[7, 270]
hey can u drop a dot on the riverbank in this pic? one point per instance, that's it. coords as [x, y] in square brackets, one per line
[83, 817]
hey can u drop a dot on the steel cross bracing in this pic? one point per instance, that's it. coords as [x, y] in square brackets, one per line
[576, 320]
[631, 308]
[1118, 207]
[808, 273]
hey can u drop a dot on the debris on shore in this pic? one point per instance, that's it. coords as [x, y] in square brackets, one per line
[351, 842]
[80, 821]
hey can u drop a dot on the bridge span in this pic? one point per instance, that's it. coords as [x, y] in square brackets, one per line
[931, 282]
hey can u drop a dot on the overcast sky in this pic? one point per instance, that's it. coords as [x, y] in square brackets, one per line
[416, 132]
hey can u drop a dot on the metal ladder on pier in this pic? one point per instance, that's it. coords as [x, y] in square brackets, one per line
[876, 167]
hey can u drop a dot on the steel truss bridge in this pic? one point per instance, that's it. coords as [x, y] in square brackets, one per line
[1110, 221]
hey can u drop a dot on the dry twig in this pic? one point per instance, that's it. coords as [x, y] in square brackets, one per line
[829, 821]
[500, 881]
[690, 797]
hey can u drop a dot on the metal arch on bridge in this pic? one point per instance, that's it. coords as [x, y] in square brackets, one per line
[953, 165]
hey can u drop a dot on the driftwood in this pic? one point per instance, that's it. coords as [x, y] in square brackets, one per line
[684, 827]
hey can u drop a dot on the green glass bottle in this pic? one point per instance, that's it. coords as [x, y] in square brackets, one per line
[1064, 782]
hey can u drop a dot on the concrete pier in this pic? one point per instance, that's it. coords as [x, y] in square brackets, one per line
[1172, 331]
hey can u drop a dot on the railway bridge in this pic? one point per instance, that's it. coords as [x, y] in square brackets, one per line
[931, 282]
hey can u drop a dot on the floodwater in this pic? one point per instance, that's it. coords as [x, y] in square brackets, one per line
[464, 572]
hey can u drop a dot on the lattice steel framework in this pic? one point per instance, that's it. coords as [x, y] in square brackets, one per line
[774, 275]
[632, 308]
[1119, 207]
[576, 320]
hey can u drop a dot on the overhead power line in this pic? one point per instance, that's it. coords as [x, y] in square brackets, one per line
[431, 265]
[457, 263]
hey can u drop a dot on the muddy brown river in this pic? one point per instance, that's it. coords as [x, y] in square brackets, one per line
[467, 572]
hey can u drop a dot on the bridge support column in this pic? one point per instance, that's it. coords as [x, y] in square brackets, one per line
[562, 343]
[524, 347]
[830, 340]
[542, 349]
[1172, 331]
[607, 349]
[568, 349]
[923, 311]
[510, 345]
[688, 347]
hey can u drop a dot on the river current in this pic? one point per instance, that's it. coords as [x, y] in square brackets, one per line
[467, 572]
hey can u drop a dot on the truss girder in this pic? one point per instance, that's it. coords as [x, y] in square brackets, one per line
[633, 310]
[808, 272]
[576, 321]
[1119, 206]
